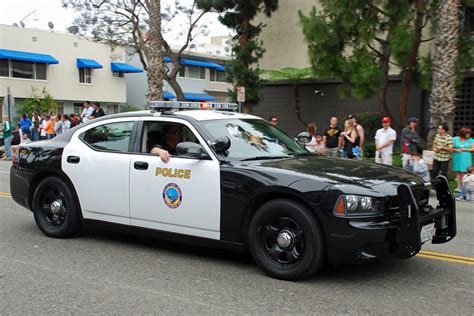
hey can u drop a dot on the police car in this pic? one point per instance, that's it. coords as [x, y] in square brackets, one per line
[233, 180]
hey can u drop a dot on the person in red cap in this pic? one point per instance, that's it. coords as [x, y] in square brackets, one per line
[384, 139]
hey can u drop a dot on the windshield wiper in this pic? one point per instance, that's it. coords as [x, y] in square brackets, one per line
[265, 157]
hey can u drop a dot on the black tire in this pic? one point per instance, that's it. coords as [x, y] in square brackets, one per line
[295, 224]
[66, 220]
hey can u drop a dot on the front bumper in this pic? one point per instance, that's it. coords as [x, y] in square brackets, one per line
[395, 235]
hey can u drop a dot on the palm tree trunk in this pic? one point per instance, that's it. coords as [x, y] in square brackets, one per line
[155, 69]
[443, 92]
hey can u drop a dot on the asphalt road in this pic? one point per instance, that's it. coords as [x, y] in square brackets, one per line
[112, 273]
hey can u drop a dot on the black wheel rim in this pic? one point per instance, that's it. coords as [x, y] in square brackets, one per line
[53, 207]
[282, 241]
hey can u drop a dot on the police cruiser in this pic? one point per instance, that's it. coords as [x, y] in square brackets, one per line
[228, 179]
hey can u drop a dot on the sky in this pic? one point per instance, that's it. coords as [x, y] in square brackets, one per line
[37, 14]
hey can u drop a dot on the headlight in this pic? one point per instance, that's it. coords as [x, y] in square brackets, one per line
[351, 205]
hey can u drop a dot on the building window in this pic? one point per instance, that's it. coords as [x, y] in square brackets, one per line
[85, 75]
[217, 76]
[118, 74]
[60, 108]
[22, 69]
[4, 69]
[78, 107]
[194, 72]
[112, 108]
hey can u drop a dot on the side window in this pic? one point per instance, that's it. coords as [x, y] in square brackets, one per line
[109, 137]
[166, 135]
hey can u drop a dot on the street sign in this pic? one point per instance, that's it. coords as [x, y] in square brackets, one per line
[240, 94]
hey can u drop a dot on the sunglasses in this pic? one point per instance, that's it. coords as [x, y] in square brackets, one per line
[175, 133]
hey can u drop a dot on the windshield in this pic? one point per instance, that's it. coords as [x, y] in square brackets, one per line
[253, 139]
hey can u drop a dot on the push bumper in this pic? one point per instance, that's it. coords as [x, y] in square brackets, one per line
[396, 235]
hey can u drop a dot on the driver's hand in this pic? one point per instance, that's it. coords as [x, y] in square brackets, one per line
[164, 154]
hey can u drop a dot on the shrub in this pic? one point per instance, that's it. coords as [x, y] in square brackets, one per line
[41, 103]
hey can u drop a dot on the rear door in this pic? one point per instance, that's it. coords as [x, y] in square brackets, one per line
[181, 196]
[97, 160]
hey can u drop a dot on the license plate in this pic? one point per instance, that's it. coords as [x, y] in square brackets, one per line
[427, 232]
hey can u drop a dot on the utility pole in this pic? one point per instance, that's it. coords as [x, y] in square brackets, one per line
[9, 102]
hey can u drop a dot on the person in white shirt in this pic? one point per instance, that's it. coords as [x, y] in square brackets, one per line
[66, 122]
[87, 112]
[384, 139]
[468, 184]
[316, 145]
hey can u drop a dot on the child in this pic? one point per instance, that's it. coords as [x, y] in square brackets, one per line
[467, 191]
[420, 168]
[316, 145]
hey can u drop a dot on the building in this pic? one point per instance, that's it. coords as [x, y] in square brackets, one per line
[285, 46]
[202, 77]
[70, 68]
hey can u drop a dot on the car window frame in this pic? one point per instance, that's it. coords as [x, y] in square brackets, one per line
[163, 119]
[134, 120]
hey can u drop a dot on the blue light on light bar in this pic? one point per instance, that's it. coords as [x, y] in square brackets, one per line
[180, 105]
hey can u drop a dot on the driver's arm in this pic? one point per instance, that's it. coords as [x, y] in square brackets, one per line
[164, 154]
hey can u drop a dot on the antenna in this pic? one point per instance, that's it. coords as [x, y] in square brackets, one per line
[50, 25]
[22, 24]
[73, 29]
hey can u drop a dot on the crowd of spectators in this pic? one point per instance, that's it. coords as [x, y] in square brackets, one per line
[36, 127]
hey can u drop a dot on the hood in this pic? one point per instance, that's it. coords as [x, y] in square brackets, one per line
[341, 172]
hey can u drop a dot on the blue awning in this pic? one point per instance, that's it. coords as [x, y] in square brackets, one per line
[124, 67]
[195, 62]
[27, 56]
[190, 96]
[168, 95]
[87, 63]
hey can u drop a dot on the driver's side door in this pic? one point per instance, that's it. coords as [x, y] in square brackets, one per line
[181, 196]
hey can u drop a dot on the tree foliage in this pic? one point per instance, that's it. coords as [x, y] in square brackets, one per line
[40, 102]
[127, 23]
[244, 69]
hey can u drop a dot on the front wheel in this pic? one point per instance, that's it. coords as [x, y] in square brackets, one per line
[286, 240]
[55, 208]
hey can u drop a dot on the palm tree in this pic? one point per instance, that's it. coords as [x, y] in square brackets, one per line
[155, 69]
[443, 92]
[295, 76]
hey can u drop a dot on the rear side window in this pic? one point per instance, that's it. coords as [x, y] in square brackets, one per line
[113, 137]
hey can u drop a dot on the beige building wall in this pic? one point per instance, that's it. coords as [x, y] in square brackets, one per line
[283, 37]
[63, 78]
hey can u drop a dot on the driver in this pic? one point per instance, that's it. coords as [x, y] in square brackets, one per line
[173, 135]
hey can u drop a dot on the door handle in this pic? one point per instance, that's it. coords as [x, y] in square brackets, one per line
[140, 165]
[73, 159]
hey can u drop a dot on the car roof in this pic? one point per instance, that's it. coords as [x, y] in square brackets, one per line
[198, 115]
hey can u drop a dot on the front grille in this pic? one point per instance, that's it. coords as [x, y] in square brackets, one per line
[422, 197]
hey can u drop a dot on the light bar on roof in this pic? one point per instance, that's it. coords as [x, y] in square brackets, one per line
[184, 105]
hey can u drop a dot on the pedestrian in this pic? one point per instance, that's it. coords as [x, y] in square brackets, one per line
[443, 146]
[311, 129]
[35, 126]
[25, 124]
[419, 166]
[462, 154]
[468, 185]
[86, 112]
[332, 138]
[384, 139]
[42, 126]
[409, 140]
[26, 139]
[66, 123]
[58, 125]
[7, 138]
[273, 120]
[317, 145]
[98, 111]
[350, 139]
[73, 119]
[48, 127]
[360, 134]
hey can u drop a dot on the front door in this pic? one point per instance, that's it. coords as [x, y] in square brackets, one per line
[181, 196]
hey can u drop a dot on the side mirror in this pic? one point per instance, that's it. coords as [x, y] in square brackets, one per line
[221, 144]
[191, 150]
[303, 138]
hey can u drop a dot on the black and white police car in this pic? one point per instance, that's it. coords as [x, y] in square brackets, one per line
[235, 181]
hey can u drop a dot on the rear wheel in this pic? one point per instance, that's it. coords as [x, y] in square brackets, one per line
[286, 240]
[55, 208]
